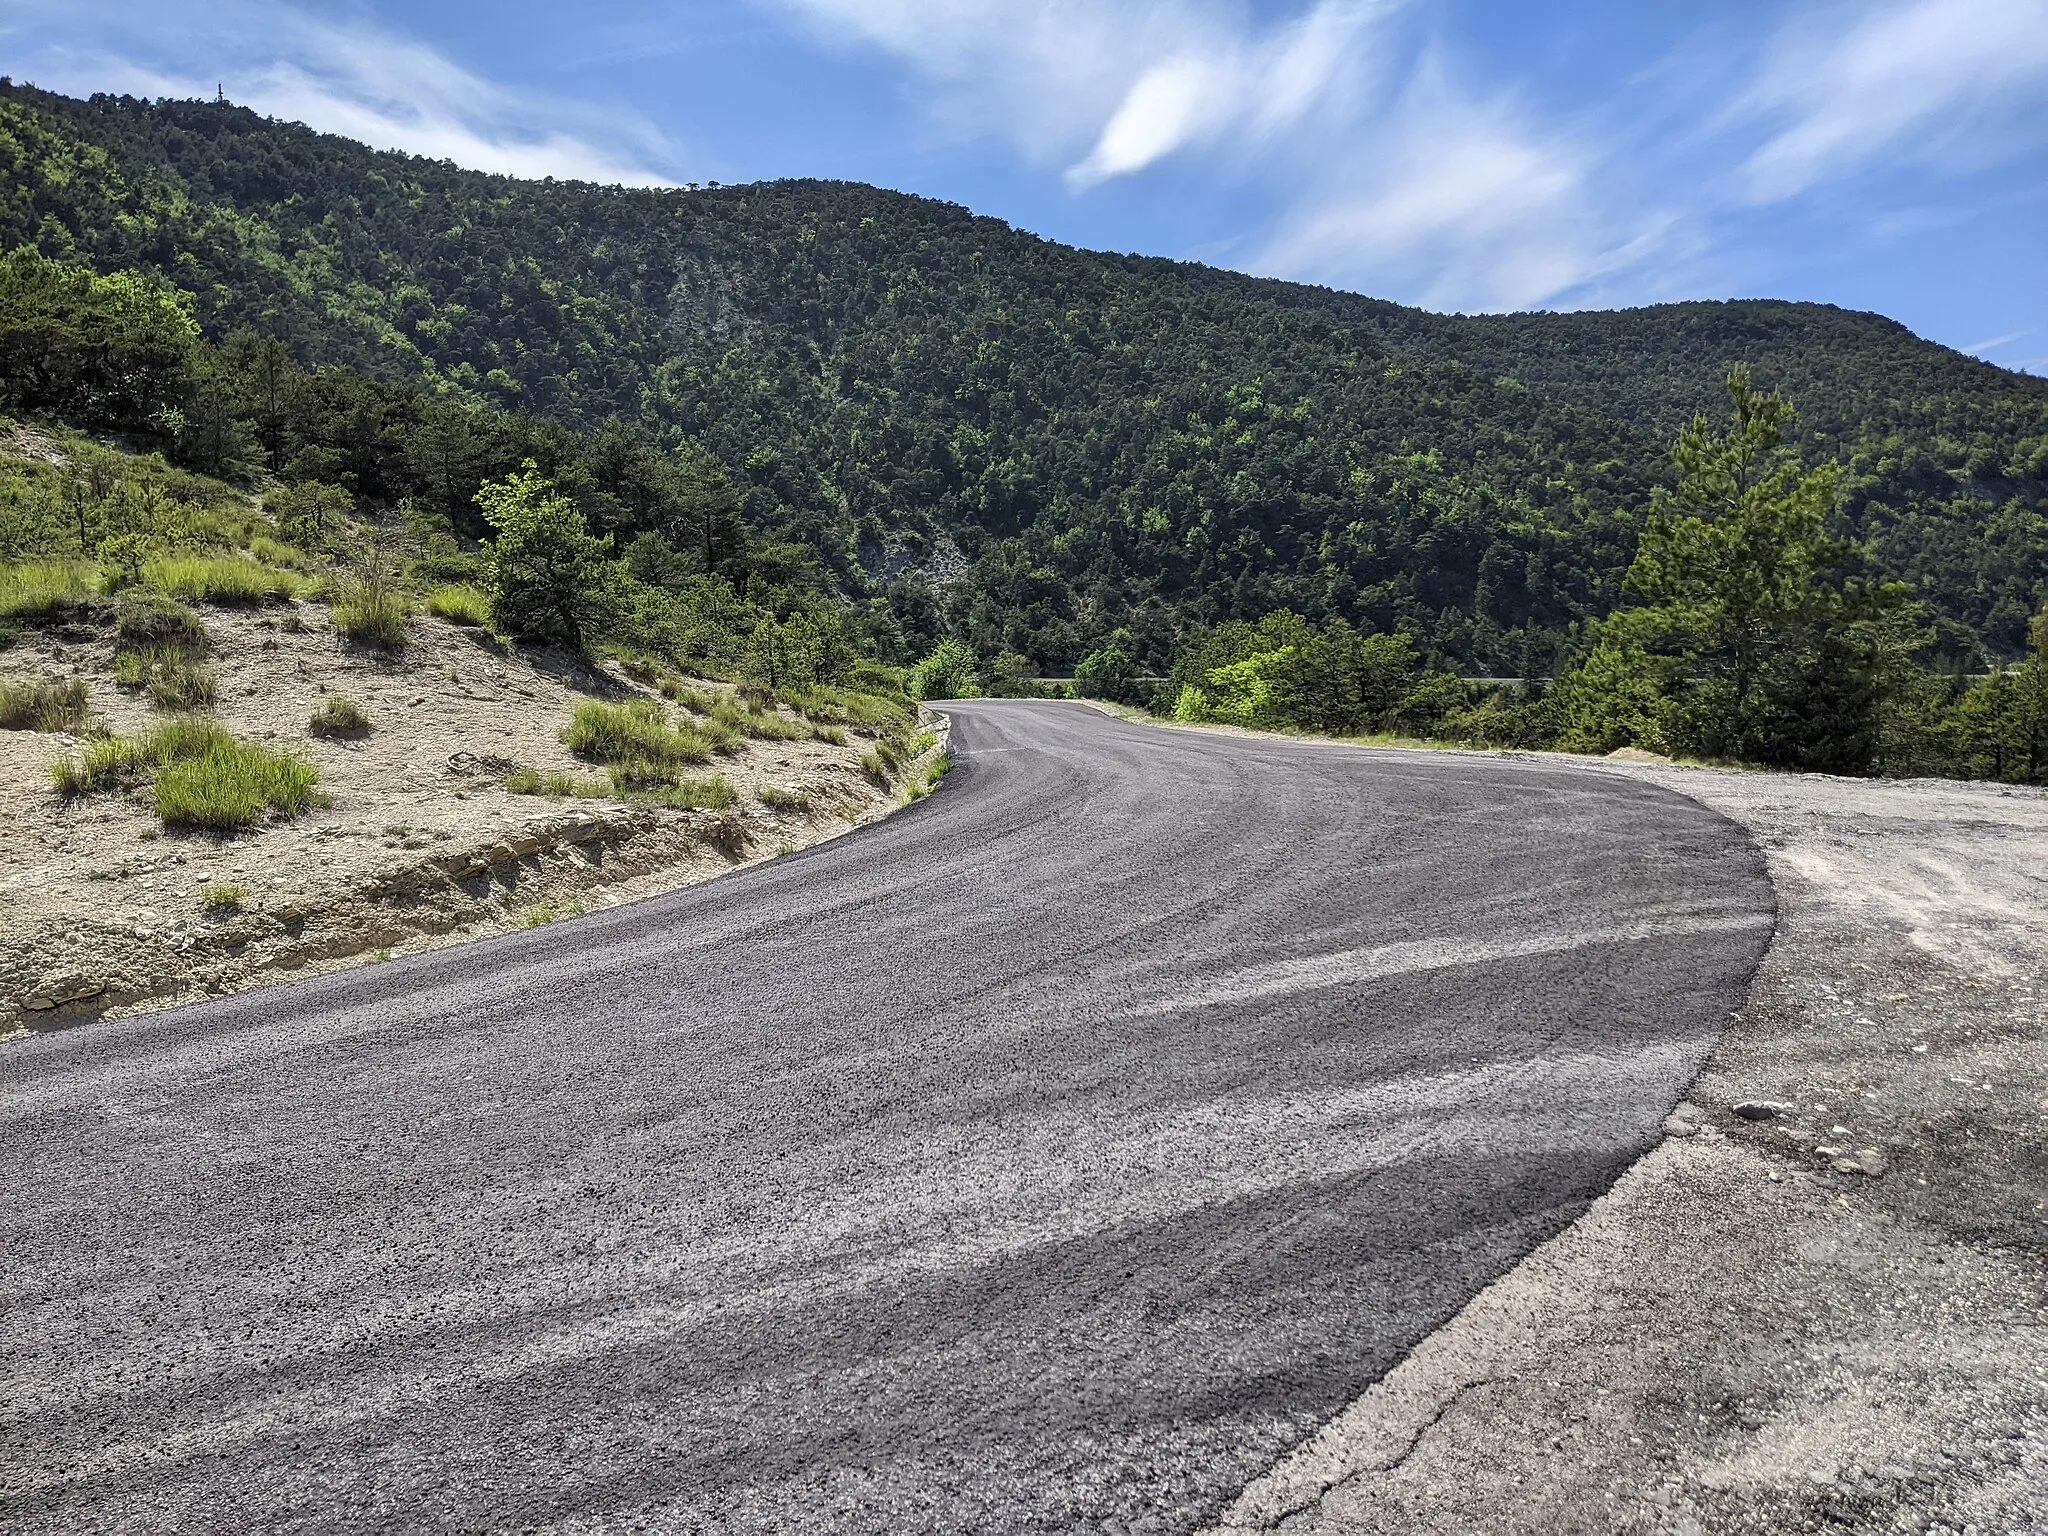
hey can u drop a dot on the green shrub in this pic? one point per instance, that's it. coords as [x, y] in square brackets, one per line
[951, 671]
[928, 781]
[338, 716]
[44, 592]
[460, 604]
[370, 610]
[777, 798]
[43, 706]
[225, 581]
[872, 712]
[222, 900]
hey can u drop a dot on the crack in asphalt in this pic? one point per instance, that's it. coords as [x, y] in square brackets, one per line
[1052, 1156]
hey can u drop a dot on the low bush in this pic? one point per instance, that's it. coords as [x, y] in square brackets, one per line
[225, 581]
[285, 556]
[460, 604]
[45, 592]
[43, 706]
[338, 716]
[777, 798]
[222, 900]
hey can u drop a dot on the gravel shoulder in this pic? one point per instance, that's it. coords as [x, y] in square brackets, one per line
[1831, 1318]
[103, 914]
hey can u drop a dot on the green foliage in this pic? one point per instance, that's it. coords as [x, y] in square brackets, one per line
[461, 604]
[203, 777]
[777, 798]
[173, 676]
[223, 900]
[146, 620]
[951, 671]
[43, 706]
[549, 579]
[710, 792]
[45, 592]
[338, 717]
[228, 581]
[107, 350]
[633, 739]
[1110, 672]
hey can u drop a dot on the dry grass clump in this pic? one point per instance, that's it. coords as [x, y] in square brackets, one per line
[43, 706]
[338, 716]
[223, 580]
[461, 604]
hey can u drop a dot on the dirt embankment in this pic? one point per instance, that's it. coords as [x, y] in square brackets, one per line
[102, 912]
[1831, 1316]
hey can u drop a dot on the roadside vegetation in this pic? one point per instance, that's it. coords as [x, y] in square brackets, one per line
[198, 776]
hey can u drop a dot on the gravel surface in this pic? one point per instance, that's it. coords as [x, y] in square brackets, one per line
[1828, 1312]
[1050, 1156]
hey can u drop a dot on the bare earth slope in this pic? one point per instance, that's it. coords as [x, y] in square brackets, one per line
[102, 914]
[1050, 1156]
[1834, 1319]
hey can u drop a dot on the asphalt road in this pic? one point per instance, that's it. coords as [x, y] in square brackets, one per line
[1050, 1156]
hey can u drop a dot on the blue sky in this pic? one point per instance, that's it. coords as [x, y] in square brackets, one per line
[1459, 154]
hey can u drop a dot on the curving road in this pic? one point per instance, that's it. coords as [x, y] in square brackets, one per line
[1048, 1157]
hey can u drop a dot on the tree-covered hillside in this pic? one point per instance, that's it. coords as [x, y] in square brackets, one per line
[1029, 446]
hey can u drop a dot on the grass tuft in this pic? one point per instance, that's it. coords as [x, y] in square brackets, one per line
[204, 777]
[44, 592]
[338, 716]
[561, 786]
[371, 612]
[224, 581]
[43, 706]
[461, 604]
[147, 620]
[635, 741]
[777, 798]
[222, 900]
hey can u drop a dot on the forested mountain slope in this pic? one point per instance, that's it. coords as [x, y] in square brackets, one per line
[1029, 445]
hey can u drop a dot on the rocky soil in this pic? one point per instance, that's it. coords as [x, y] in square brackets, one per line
[102, 912]
[1821, 1304]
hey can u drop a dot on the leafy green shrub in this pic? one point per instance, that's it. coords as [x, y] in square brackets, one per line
[225, 581]
[44, 592]
[460, 604]
[951, 671]
[550, 581]
[43, 706]
[338, 716]
[222, 900]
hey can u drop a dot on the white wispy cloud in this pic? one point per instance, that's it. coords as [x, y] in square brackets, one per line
[1844, 87]
[349, 77]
